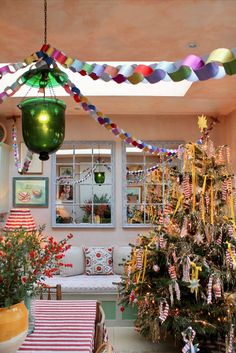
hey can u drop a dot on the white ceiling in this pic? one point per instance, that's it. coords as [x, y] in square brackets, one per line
[127, 30]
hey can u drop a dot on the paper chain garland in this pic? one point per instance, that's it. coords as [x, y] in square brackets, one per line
[109, 125]
[88, 172]
[192, 68]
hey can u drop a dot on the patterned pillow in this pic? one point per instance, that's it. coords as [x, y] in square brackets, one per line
[98, 261]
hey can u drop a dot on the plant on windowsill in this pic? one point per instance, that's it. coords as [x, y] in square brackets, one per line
[101, 207]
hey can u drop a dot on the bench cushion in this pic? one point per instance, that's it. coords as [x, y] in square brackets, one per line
[86, 284]
[120, 254]
[74, 256]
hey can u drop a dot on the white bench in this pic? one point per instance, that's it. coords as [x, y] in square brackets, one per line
[75, 284]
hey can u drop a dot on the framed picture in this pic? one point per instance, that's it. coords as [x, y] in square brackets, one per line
[30, 192]
[134, 194]
[65, 193]
[36, 165]
[66, 171]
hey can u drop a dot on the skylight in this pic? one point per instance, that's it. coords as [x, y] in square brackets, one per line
[89, 87]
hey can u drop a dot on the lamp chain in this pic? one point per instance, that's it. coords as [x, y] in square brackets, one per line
[45, 21]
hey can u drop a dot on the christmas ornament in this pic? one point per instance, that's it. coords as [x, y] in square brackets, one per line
[209, 290]
[231, 340]
[163, 310]
[188, 337]
[217, 288]
[202, 122]
[156, 268]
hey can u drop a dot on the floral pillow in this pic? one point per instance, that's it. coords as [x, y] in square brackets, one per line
[98, 261]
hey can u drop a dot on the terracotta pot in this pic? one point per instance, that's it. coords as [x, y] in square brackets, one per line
[13, 327]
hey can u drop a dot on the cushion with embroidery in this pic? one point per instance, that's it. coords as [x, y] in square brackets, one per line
[98, 260]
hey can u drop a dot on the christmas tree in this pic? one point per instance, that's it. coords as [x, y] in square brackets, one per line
[183, 272]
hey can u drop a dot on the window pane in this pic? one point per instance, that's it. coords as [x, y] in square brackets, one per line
[146, 183]
[83, 190]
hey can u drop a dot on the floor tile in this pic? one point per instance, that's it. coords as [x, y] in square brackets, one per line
[127, 340]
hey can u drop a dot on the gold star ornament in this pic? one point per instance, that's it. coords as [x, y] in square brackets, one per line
[202, 122]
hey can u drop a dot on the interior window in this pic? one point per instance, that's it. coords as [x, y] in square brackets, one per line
[146, 181]
[83, 189]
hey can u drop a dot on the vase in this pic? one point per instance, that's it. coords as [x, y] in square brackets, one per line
[13, 327]
[29, 303]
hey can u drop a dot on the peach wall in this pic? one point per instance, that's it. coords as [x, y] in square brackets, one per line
[143, 127]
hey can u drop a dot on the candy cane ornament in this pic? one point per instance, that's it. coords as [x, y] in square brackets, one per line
[163, 311]
[209, 290]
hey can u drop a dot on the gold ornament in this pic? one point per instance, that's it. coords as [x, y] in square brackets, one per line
[202, 122]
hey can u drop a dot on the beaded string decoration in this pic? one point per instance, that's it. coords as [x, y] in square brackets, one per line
[22, 169]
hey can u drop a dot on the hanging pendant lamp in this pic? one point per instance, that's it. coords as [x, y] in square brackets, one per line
[99, 177]
[43, 119]
[43, 125]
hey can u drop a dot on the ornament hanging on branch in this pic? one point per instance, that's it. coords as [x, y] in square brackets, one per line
[163, 310]
[188, 337]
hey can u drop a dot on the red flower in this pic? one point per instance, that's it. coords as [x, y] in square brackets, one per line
[23, 279]
[60, 256]
[32, 254]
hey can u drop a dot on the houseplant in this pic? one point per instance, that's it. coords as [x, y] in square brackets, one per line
[101, 209]
[25, 259]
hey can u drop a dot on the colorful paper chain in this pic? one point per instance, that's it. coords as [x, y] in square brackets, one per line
[219, 63]
[192, 68]
[138, 73]
[114, 128]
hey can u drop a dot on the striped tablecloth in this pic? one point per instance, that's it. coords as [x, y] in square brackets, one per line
[62, 326]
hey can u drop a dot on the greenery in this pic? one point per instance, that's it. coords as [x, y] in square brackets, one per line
[183, 272]
[26, 258]
[100, 206]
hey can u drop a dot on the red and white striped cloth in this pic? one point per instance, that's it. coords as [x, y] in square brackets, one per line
[62, 326]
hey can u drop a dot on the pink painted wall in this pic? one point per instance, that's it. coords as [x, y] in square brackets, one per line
[143, 127]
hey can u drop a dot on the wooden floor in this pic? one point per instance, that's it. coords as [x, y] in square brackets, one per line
[126, 340]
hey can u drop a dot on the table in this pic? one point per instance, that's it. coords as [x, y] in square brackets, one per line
[62, 326]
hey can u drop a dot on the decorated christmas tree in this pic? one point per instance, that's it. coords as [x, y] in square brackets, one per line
[182, 274]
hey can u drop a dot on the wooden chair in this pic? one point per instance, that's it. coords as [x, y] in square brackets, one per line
[50, 292]
[105, 347]
[99, 327]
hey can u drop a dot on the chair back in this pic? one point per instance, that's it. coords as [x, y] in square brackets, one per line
[50, 292]
[105, 347]
[100, 330]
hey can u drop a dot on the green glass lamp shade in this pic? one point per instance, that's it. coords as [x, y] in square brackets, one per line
[45, 78]
[43, 125]
[99, 177]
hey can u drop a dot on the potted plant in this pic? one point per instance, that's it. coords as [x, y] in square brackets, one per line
[101, 209]
[25, 259]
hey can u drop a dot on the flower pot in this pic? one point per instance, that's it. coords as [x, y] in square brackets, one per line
[13, 327]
